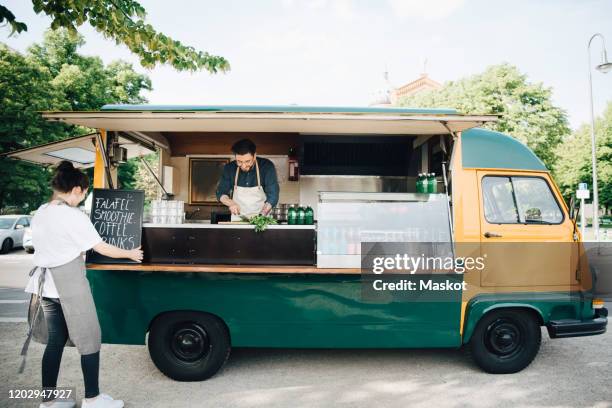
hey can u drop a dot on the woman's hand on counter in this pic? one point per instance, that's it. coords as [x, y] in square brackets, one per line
[136, 254]
[115, 252]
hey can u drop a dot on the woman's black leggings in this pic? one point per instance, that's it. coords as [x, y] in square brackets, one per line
[58, 335]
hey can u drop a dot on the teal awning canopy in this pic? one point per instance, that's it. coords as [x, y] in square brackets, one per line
[273, 119]
[276, 109]
[487, 149]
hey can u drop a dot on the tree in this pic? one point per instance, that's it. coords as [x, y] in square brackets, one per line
[525, 109]
[145, 181]
[25, 88]
[575, 166]
[53, 76]
[123, 22]
[86, 84]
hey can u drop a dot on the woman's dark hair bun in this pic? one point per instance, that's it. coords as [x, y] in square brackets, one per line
[65, 165]
[67, 177]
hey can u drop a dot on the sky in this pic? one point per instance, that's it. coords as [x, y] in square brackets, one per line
[335, 52]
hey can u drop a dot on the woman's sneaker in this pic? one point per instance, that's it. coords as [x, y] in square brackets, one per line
[60, 403]
[102, 401]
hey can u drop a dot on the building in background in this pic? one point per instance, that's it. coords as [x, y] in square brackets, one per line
[421, 84]
[388, 95]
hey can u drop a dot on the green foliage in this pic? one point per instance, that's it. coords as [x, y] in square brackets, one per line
[260, 222]
[123, 22]
[85, 83]
[16, 26]
[53, 76]
[144, 180]
[526, 109]
[574, 164]
[126, 174]
[25, 88]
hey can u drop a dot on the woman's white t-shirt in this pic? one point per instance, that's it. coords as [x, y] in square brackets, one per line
[60, 233]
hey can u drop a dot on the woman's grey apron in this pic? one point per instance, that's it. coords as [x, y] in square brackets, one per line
[250, 199]
[77, 305]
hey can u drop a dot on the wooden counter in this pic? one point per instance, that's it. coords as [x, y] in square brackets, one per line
[223, 268]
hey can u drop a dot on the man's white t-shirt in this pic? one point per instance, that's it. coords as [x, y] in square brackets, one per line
[60, 233]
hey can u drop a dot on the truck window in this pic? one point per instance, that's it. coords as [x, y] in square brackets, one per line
[499, 204]
[525, 200]
[535, 201]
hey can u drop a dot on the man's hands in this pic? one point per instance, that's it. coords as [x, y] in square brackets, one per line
[231, 204]
[234, 208]
[266, 209]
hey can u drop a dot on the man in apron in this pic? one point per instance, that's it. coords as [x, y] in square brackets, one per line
[248, 185]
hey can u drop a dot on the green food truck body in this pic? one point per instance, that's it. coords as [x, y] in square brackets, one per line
[205, 287]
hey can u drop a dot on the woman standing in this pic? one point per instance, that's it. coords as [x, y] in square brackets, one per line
[60, 234]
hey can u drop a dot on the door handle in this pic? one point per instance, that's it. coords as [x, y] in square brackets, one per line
[492, 235]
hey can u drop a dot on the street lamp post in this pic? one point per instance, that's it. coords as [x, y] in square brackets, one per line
[604, 67]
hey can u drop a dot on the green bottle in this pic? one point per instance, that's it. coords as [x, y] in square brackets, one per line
[292, 216]
[309, 216]
[432, 183]
[301, 215]
[419, 183]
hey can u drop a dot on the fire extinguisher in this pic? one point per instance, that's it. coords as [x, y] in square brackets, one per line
[294, 168]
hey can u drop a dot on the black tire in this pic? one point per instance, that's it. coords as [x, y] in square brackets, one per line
[7, 245]
[505, 341]
[189, 346]
[29, 250]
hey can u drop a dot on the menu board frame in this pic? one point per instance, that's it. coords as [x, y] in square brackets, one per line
[138, 196]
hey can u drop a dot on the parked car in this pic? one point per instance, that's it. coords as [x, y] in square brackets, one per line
[27, 240]
[12, 228]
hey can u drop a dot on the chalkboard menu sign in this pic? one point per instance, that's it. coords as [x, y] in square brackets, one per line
[117, 216]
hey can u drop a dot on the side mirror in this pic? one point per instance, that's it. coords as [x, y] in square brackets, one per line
[18, 226]
[574, 208]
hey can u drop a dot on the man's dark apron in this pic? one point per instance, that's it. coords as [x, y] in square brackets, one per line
[77, 305]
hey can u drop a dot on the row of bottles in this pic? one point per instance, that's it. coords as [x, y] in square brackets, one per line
[300, 216]
[427, 183]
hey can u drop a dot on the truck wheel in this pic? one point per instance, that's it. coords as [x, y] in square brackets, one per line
[7, 245]
[505, 341]
[189, 346]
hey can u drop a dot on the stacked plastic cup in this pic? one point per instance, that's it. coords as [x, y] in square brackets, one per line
[167, 211]
[176, 212]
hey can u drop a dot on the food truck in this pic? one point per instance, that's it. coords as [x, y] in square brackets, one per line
[206, 286]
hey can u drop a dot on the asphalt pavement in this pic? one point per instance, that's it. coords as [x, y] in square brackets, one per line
[575, 372]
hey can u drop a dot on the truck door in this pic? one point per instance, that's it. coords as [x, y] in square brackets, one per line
[526, 237]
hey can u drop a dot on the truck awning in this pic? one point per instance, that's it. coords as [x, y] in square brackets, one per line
[374, 122]
[80, 150]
